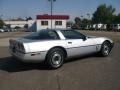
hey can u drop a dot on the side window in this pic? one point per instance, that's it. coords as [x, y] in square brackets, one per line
[44, 23]
[70, 34]
[43, 35]
[33, 36]
[53, 35]
[58, 23]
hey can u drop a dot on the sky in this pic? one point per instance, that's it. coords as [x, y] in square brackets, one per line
[25, 8]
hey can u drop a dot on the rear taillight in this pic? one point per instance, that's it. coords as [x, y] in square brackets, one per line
[21, 47]
[18, 46]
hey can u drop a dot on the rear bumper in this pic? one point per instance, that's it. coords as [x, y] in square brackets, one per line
[29, 57]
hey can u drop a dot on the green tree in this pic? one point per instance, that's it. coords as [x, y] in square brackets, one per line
[1, 23]
[88, 15]
[77, 21]
[116, 18]
[69, 23]
[86, 21]
[103, 14]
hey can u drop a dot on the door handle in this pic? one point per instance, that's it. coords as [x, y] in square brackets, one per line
[69, 42]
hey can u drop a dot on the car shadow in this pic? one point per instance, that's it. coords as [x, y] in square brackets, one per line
[79, 58]
[11, 65]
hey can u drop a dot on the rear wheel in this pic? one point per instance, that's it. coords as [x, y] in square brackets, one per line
[55, 58]
[13, 57]
[106, 48]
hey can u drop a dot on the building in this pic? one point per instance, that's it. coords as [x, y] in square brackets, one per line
[41, 22]
[54, 21]
[31, 24]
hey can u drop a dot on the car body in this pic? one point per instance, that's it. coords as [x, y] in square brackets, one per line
[1, 30]
[54, 46]
[7, 30]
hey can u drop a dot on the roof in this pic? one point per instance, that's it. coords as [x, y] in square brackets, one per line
[57, 29]
[63, 17]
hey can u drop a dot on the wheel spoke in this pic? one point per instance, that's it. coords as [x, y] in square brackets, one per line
[106, 49]
[56, 59]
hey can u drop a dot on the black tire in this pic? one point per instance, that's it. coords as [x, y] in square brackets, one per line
[55, 58]
[105, 49]
[13, 58]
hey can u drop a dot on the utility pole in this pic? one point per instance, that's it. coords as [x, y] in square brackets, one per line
[51, 2]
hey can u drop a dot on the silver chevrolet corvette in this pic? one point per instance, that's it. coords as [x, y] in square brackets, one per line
[54, 46]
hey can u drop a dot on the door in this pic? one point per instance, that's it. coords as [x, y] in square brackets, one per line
[78, 44]
[80, 47]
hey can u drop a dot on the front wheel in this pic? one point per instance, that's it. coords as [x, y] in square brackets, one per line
[105, 49]
[55, 58]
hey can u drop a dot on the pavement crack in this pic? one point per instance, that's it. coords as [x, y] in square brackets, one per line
[58, 81]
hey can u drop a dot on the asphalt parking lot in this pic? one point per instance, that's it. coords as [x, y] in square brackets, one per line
[86, 73]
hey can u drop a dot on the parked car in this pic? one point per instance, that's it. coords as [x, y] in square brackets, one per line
[116, 27]
[7, 30]
[54, 46]
[1, 30]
